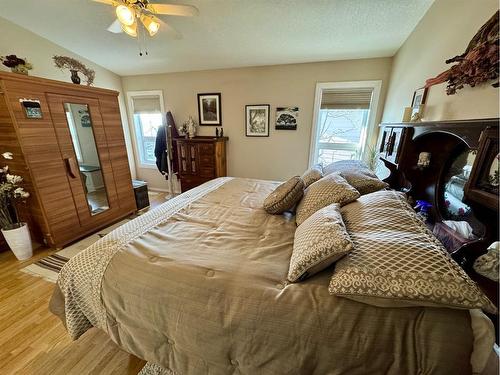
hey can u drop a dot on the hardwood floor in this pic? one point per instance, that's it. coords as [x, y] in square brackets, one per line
[33, 341]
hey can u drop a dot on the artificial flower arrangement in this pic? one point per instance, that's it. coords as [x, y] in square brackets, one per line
[74, 66]
[11, 190]
[16, 64]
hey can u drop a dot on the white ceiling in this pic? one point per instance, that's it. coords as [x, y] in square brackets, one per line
[227, 33]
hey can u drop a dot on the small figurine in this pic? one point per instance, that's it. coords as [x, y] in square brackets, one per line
[222, 132]
[216, 132]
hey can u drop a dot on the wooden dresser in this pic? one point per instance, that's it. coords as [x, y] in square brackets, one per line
[68, 144]
[200, 159]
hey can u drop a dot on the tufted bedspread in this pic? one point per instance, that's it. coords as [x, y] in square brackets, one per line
[198, 286]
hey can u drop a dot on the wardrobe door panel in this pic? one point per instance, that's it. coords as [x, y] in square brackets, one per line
[52, 200]
[82, 141]
[113, 129]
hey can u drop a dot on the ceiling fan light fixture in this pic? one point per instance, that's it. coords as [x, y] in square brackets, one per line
[150, 24]
[130, 29]
[125, 15]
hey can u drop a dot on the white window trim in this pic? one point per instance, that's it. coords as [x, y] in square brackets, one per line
[130, 96]
[370, 126]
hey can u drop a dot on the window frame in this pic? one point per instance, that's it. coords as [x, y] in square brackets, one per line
[375, 85]
[138, 148]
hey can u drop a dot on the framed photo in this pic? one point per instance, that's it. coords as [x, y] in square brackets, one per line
[257, 120]
[286, 118]
[419, 97]
[209, 109]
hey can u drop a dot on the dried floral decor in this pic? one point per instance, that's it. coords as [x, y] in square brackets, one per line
[478, 64]
[75, 67]
[16, 64]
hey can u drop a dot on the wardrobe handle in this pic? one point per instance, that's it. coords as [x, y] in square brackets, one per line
[70, 167]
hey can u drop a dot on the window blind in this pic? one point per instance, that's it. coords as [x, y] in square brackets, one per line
[346, 99]
[147, 105]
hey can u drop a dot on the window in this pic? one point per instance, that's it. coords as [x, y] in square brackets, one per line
[343, 120]
[147, 109]
[146, 127]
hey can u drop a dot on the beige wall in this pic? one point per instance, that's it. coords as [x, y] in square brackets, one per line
[39, 51]
[443, 32]
[284, 153]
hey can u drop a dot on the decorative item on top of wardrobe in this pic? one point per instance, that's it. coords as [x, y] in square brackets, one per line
[75, 67]
[479, 62]
[16, 64]
[16, 233]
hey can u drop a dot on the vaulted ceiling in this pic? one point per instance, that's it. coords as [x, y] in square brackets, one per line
[227, 33]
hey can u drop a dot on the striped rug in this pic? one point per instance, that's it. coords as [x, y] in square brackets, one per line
[48, 268]
[52, 263]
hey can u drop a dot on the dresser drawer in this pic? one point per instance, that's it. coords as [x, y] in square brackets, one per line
[206, 148]
[208, 172]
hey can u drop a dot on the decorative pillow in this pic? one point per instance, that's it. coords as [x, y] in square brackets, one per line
[397, 262]
[330, 189]
[346, 165]
[319, 241]
[313, 174]
[363, 181]
[285, 196]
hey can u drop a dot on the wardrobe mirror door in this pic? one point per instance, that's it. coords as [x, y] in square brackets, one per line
[89, 166]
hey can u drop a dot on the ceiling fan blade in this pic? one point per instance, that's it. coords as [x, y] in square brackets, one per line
[107, 2]
[174, 9]
[173, 33]
[115, 27]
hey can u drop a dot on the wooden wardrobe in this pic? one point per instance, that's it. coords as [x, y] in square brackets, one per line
[69, 147]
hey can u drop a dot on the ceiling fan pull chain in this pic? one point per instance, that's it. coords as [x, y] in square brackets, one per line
[139, 40]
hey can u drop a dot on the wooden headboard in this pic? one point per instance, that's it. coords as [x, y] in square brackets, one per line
[456, 153]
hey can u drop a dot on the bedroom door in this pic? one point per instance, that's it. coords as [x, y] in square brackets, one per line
[83, 146]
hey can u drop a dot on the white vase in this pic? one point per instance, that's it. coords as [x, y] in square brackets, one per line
[19, 241]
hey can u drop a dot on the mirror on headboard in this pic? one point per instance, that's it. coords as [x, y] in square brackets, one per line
[454, 181]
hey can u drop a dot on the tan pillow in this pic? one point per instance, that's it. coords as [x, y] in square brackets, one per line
[285, 196]
[319, 241]
[312, 175]
[397, 262]
[364, 181]
[330, 189]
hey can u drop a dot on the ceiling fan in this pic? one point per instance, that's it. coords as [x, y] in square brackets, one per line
[131, 14]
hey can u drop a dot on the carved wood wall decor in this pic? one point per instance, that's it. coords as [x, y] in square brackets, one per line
[478, 64]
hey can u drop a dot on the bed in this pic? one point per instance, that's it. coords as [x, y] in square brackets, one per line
[199, 286]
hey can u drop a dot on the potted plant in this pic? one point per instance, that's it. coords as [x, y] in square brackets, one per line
[16, 233]
[16, 64]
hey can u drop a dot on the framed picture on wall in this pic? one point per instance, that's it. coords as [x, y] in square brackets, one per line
[209, 109]
[286, 118]
[257, 120]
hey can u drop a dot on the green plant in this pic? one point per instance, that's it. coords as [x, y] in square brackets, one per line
[371, 158]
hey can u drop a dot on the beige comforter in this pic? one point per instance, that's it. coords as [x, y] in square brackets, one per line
[199, 286]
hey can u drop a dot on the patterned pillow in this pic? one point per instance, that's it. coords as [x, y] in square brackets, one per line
[319, 241]
[397, 262]
[346, 165]
[285, 196]
[313, 174]
[330, 189]
[364, 181]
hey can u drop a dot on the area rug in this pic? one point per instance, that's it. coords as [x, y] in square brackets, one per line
[48, 268]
